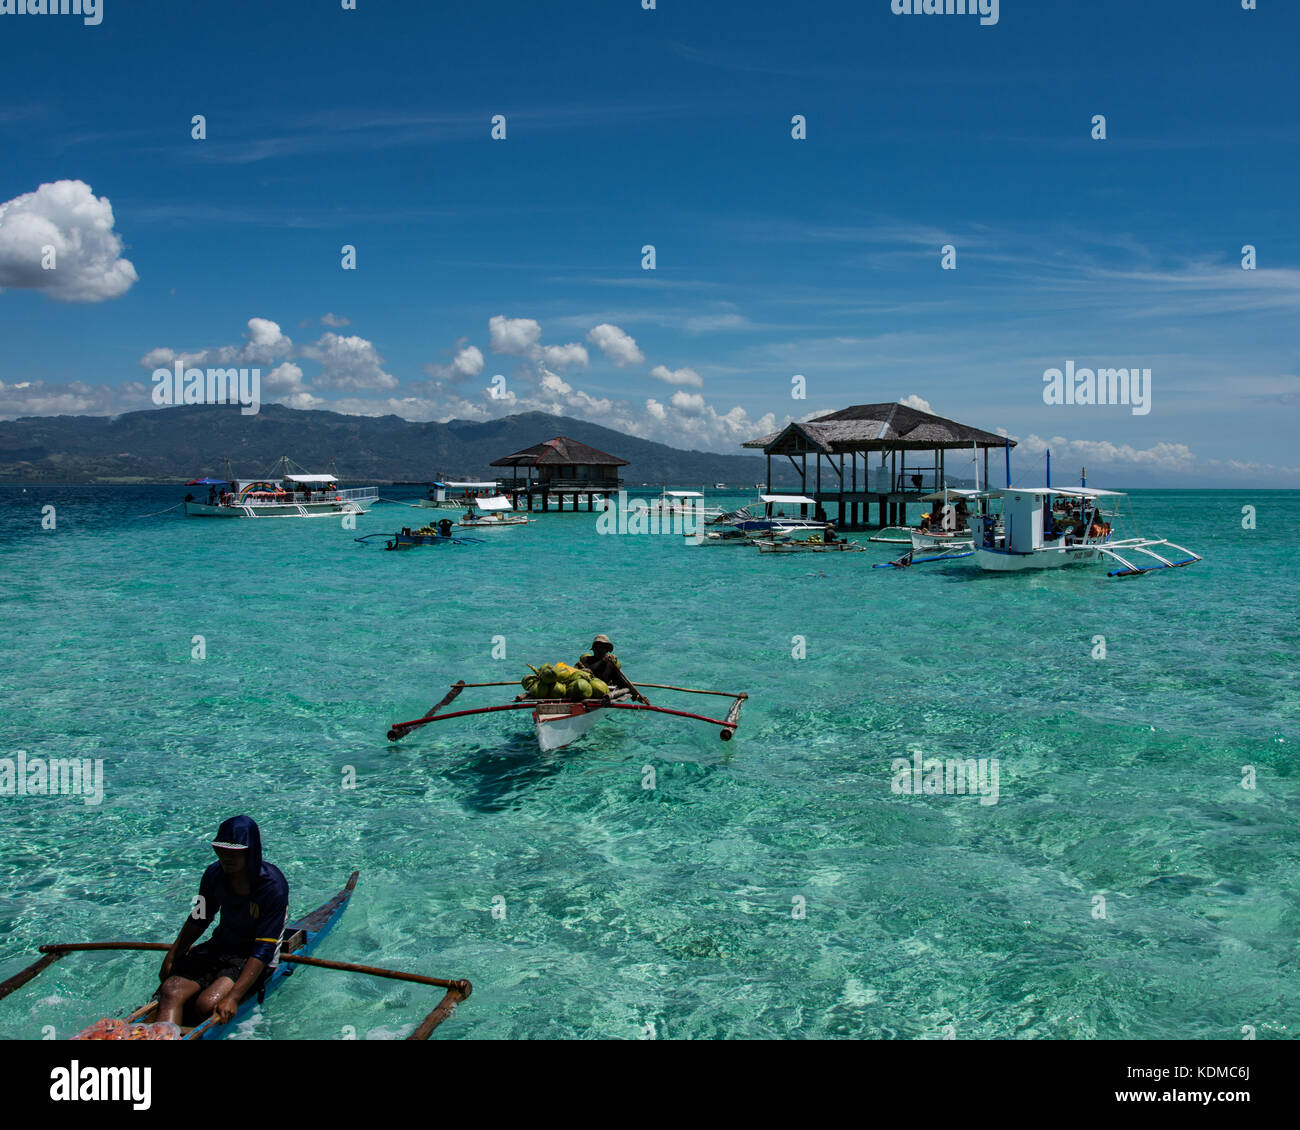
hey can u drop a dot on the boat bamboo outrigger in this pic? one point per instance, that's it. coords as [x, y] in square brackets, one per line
[559, 722]
[296, 947]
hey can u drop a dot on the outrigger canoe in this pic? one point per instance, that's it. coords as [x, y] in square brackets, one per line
[811, 547]
[405, 538]
[299, 941]
[559, 722]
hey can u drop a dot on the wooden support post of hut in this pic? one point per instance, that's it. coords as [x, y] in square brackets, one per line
[891, 431]
[561, 467]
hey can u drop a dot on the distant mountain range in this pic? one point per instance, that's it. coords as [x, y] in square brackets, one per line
[175, 444]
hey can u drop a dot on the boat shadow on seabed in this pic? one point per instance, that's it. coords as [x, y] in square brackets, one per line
[501, 778]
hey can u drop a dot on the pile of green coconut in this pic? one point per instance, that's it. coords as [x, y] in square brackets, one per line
[559, 680]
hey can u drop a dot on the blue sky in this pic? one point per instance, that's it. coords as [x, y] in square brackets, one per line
[671, 127]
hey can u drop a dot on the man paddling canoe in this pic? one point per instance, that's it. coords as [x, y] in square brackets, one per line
[253, 900]
[602, 663]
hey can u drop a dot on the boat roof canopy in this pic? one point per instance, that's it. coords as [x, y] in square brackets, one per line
[1076, 492]
[793, 498]
[207, 482]
[683, 494]
[311, 478]
[1088, 492]
[496, 502]
[951, 492]
[473, 486]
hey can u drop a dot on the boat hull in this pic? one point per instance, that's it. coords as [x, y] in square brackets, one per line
[1052, 557]
[929, 541]
[728, 537]
[810, 547]
[562, 724]
[288, 510]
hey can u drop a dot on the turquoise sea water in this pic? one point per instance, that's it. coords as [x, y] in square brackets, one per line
[667, 911]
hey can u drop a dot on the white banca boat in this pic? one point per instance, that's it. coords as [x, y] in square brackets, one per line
[456, 495]
[1050, 527]
[288, 495]
[772, 522]
[560, 722]
[688, 503]
[488, 513]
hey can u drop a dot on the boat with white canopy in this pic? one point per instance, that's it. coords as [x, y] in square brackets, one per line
[488, 513]
[456, 495]
[287, 494]
[687, 503]
[774, 519]
[1050, 527]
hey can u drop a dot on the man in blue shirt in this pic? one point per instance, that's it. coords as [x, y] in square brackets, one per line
[253, 900]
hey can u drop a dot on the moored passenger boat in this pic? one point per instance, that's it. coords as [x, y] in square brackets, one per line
[451, 495]
[1050, 527]
[287, 495]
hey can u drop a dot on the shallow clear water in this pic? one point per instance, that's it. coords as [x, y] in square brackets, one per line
[668, 910]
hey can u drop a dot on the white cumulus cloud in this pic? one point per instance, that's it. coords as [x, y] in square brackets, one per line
[521, 337]
[681, 376]
[618, 346]
[468, 362]
[36, 398]
[916, 402]
[351, 364]
[1158, 457]
[265, 345]
[561, 356]
[515, 336]
[67, 221]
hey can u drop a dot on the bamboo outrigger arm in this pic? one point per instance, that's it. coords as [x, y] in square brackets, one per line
[457, 991]
[401, 729]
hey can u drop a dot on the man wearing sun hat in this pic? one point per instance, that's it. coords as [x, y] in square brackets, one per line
[252, 898]
[602, 663]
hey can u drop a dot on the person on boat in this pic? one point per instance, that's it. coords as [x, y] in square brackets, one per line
[925, 523]
[828, 535]
[444, 527]
[603, 663]
[252, 898]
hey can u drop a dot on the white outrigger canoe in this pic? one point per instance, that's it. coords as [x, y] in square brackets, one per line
[560, 722]
[491, 512]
